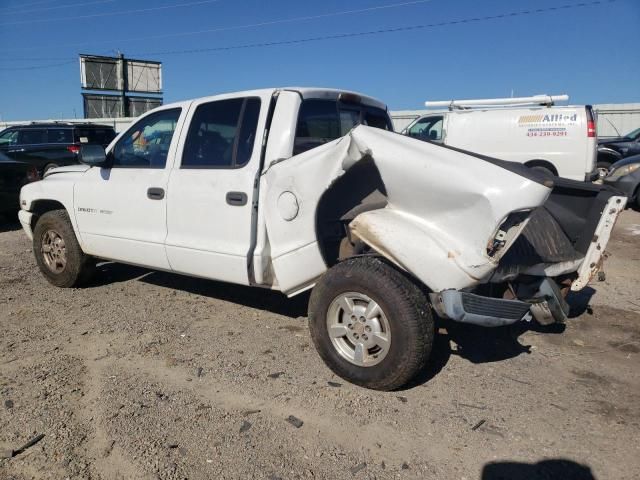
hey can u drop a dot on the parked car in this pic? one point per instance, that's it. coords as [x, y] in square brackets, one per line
[625, 176]
[610, 150]
[50, 145]
[301, 188]
[559, 140]
[13, 175]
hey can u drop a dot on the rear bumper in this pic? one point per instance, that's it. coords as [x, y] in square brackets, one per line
[546, 305]
[478, 310]
[595, 254]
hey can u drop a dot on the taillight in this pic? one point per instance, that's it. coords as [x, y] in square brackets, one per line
[32, 174]
[74, 149]
[591, 122]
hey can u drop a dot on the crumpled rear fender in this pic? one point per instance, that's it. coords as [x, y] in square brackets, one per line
[410, 243]
[444, 206]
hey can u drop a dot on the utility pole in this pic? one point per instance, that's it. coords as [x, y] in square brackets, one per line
[125, 85]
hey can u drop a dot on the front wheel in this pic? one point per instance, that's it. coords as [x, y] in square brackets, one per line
[57, 252]
[370, 324]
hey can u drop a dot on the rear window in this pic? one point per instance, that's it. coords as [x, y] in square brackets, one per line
[321, 121]
[97, 136]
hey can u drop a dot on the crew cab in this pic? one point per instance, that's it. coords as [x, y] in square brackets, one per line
[294, 189]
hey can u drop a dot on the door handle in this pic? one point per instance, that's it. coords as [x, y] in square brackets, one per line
[155, 193]
[237, 199]
[17, 150]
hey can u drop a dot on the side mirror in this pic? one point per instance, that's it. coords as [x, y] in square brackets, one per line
[92, 155]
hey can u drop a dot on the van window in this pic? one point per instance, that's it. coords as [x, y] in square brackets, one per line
[59, 135]
[428, 128]
[32, 136]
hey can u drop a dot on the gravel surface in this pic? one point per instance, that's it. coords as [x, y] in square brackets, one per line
[152, 375]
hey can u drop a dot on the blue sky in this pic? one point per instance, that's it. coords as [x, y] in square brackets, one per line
[591, 52]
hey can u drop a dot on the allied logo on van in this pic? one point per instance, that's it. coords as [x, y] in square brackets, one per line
[548, 124]
[548, 118]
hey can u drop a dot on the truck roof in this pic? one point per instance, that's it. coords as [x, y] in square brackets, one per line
[305, 92]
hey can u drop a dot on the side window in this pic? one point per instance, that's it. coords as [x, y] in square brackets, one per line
[222, 134]
[375, 117]
[32, 136]
[318, 123]
[321, 121]
[146, 144]
[429, 128]
[59, 135]
[10, 137]
[435, 130]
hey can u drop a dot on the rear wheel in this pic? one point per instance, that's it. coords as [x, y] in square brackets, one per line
[57, 252]
[370, 324]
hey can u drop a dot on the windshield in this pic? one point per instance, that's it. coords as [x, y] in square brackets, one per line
[634, 134]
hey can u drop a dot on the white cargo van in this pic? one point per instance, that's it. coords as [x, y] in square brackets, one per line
[529, 130]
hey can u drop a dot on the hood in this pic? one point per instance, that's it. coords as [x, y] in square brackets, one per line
[69, 168]
[625, 162]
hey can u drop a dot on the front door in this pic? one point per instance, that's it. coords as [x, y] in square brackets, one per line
[211, 189]
[121, 210]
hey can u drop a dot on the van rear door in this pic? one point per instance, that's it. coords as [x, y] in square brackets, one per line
[591, 154]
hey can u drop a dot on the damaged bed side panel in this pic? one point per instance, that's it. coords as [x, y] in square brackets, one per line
[443, 208]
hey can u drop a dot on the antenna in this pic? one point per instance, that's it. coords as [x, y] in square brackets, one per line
[498, 102]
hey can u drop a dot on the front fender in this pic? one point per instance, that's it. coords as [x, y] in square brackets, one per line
[54, 190]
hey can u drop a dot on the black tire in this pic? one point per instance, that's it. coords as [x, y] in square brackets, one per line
[49, 167]
[405, 306]
[544, 170]
[78, 268]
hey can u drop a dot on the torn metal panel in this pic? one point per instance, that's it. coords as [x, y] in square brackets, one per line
[444, 207]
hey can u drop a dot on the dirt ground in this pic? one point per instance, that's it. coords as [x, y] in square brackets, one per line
[151, 375]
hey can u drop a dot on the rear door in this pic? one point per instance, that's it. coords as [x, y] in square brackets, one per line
[211, 188]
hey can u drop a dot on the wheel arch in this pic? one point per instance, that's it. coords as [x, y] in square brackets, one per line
[608, 155]
[42, 206]
[538, 162]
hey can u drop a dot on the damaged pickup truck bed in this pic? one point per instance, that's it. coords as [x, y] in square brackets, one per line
[300, 188]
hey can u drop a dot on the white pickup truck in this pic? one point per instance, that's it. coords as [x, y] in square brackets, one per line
[299, 188]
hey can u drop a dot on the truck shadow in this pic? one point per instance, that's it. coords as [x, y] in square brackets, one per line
[485, 345]
[477, 344]
[263, 299]
[560, 468]
[473, 343]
